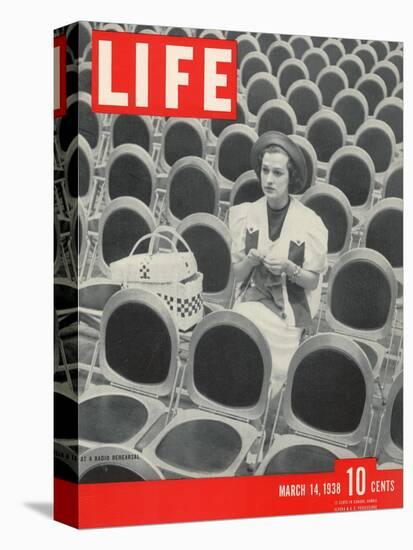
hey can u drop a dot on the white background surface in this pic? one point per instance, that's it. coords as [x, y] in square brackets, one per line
[26, 272]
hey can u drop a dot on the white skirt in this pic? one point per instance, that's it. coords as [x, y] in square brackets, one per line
[282, 339]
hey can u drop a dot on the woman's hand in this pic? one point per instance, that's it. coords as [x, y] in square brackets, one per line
[278, 267]
[255, 257]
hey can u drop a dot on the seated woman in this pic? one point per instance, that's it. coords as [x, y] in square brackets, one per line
[279, 251]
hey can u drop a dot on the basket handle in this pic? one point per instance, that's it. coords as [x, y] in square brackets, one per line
[158, 234]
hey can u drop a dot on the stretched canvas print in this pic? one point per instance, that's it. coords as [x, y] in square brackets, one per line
[228, 274]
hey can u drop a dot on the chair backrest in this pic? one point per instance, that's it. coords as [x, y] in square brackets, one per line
[333, 207]
[350, 44]
[85, 77]
[368, 55]
[329, 390]
[134, 129]
[246, 45]
[128, 466]
[389, 73]
[330, 82]
[384, 230]
[300, 44]
[138, 342]
[391, 432]
[212, 33]
[78, 36]
[310, 157]
[247, 188]
[276, 115]
[123, 222]
[265, 40]
[305, 98]
[361, 294]
[233, 35]
[218, 125]
[398, 91]
[130, 172]
[318, 41]
[229, 365]
[353, 66]
[113, 27]
[182, 137]
[315, 59]
[352, 171]
[79, 119]
[79, 170]
[178, 31]
[233, 151]
[277, 53]
[393, 181]
[380, 47]
[377, 139]
[390, 110]
[334, 49]
[209, 238]
[326, 132]
[289, 72]
[94, 294]
[396, 57]
[253, 62]
[373, 87]
[261, 87]
[353, 108]
[191, 187]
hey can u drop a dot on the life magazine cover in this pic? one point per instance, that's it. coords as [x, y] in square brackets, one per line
[228, 274]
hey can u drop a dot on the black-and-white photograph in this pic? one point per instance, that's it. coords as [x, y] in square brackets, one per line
[229, 293]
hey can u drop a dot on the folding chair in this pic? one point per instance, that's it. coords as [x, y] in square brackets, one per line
[353, 108]
[247, 188]
[181, 137]
[228, 383]
[396, 57]
[300, 44]
[138, 356]
[276, 115]
[265, 40]
[330, 82]
[130, 172]
[334, 209]
[334, 49]
[374, 90]
[134, 129]
[315, 59]
[353, 66]
[217, 125]
[393, 181]
[381, 48]
[277, 53]
[123, 222]
[368, 56]
[398, 91]
[232, 156]
[310, 157]
[327, 404]
[390, 110]
[389, 73]
[377, 139]
[289, 72]
[361, 299]
[79, 167]
[350, 44]
[122, 464]
[352, 171]
[305, 98]
[78, 36]
[208, 237]
[326, 132]
[261, 87]
[246, 45]
[191, 187]
[384, 233]
[253, 63]
[389, 445]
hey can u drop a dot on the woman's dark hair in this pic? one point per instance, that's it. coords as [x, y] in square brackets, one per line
[295, 185]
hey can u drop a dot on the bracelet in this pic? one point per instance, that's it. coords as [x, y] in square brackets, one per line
[296, 273]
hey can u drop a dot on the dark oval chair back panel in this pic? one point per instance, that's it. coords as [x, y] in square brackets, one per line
[384, 231]
[377, 139]
[276, 115]
[326, 133]
[261, 88]
[352, 172]
[331, 81]
[278, 53]
[302, 458]
[132, 129]
[183, 139]
[373, 88]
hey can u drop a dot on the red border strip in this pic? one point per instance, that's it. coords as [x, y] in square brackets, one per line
[60, 41]
[115, 504]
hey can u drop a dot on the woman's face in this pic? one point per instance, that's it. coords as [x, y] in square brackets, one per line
[275, 178]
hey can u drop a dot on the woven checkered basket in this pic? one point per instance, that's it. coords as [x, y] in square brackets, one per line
[170, 274]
